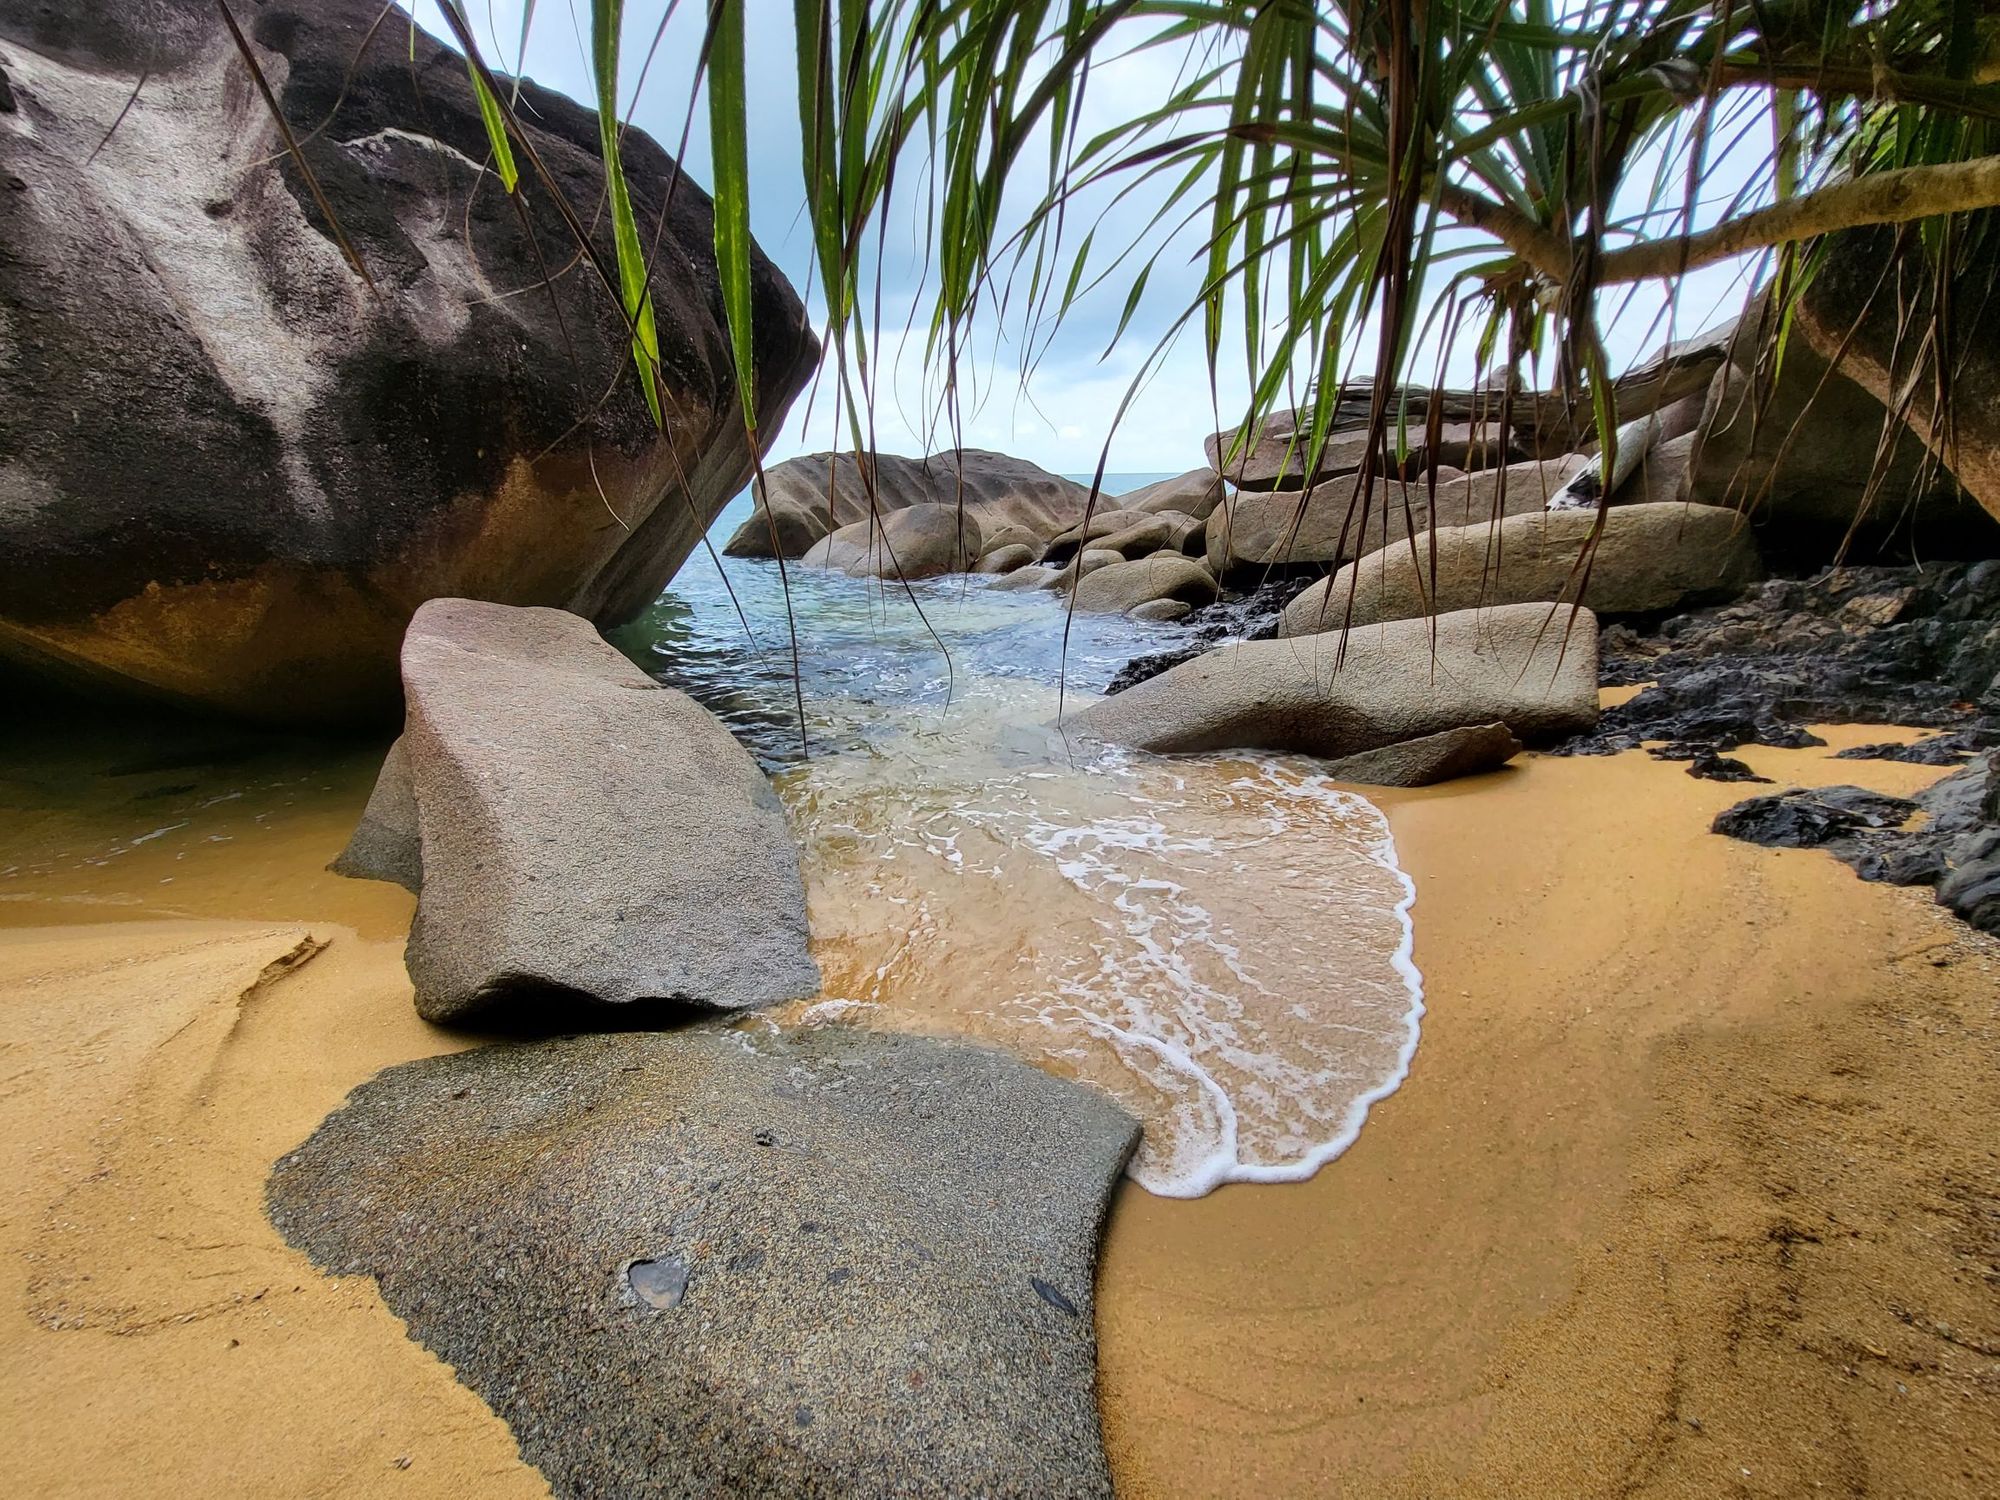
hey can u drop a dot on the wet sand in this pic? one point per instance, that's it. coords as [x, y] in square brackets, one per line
[1694, 1175]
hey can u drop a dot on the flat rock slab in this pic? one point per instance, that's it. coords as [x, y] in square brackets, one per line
[721, 1263]
[1527, 666]
[585, 831]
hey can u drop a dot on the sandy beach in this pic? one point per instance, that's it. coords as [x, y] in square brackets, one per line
[1690, 1190]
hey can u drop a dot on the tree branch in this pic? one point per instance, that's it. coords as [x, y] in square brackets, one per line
[1877, 198]
[1541, 248]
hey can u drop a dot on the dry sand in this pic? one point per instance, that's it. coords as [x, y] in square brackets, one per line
[1693, 1188]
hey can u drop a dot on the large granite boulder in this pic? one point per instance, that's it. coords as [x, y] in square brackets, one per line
[814, 496]
[918, 541]
[1336, 694]
[728, 1263]
[588, 836]
[229, 470]
[1649, 558]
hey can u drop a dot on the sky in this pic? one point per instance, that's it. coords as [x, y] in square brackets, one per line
[1067, 410]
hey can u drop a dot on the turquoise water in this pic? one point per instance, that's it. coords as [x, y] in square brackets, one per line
[868, 651]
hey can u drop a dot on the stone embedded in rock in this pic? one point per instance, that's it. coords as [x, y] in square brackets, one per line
[820, 493]
[1648, 558]
[649, 1253]
[1430, 758]
[1380, 685]
[1121, 586]
[586, 832]
[229, 472]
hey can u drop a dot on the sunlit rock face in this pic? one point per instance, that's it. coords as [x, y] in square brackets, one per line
[230, 468]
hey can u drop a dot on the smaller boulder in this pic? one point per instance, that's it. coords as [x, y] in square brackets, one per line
[1161, 611]
[918, 541]
[1033, 576]
[1120, 587]
[1430, 758]
[1004, 559]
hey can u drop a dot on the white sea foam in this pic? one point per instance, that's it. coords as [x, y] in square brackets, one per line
[1223, 944]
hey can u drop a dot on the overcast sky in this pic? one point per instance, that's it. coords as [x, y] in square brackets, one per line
[1062, 417]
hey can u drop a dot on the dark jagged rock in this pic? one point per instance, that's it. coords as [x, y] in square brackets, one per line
[1811, 819]
[1938, 750]
[1709, 766]
[731, 1263]
[229, 469]
[1244, 617]
[1956, 846]
[1912, 646]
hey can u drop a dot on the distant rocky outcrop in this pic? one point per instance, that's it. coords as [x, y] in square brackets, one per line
[1647, 558]
[1339, 694]
[725, 1263]
[588, 837]
[918, 541]
[807, 498]
[230, 469]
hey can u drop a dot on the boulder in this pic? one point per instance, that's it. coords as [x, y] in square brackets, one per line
[1164, 531]
[1379, 685]
[1004, 559]
[1664, 476]
[1033, 576]
[919, 541]
[1194, 493]
[1122, 586]
[1649, 558]
[1325, 526]
[1797, 452]
[229, 470]
[388, 843]
[1104, 522]
[1161, 611]
[823, 492]
[586, 832]
[1010, 536]
[1430, 758]
[717, 1263]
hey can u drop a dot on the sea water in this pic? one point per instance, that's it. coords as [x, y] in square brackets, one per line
[1222, 942]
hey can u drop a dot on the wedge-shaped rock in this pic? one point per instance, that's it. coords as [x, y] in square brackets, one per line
[1431, 758]
[1650, 557]
[585, 831]
[387, 844]
[724, 1263]
[1522, 665]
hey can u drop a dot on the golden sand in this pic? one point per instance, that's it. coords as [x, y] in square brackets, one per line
[1692, 1190]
